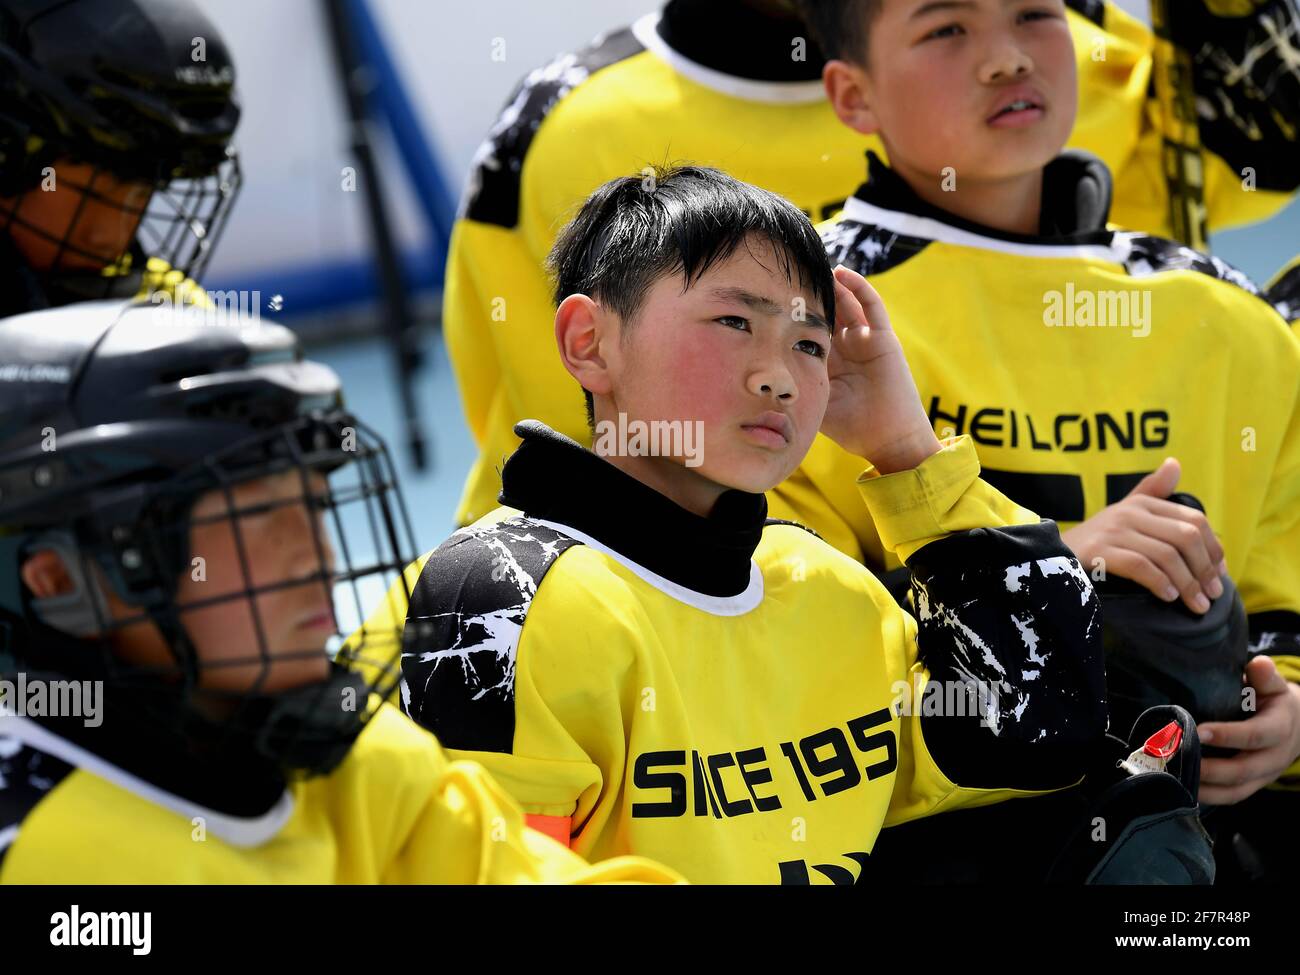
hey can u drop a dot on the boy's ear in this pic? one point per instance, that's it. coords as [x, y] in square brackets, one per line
[849, 91]
[46, 576]
[581, 326]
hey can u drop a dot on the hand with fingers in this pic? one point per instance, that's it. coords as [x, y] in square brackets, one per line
[1164, 546]
[874, 410]
[1267, 743]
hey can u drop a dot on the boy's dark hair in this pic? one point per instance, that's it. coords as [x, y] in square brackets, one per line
[840, 27]
[634, 230]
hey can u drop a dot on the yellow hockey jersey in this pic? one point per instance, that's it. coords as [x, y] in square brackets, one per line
[1077, 361]
[730, 695]
[667, 90]
[395, 811]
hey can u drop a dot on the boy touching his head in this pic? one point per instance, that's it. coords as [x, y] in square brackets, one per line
[648, 663]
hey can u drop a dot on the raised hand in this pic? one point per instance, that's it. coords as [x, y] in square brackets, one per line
[874, 409]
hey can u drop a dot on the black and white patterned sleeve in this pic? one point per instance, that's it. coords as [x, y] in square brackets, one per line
[1245, 65]
[27, 776]
[462, 630]
[1008, 619]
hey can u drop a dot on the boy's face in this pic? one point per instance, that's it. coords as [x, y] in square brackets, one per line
[986, 87]
[280, 546]
[743, 351]
[102, 225]
[296, 618]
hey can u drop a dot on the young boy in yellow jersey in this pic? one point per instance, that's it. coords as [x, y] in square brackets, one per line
[735, 84]
[649, 664]
[168, 712]
[1077, 357]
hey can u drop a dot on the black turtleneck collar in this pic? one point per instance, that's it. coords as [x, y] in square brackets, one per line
[1076, 200]
[235, 781]
[554, 478]
[142, 729]
[739, 39]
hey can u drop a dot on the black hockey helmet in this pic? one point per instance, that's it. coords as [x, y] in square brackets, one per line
[1163, 653]
[140, 89]
[113, 420]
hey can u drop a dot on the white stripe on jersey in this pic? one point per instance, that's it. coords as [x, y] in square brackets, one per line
[235, 830]
[774, 92]
[909, 225]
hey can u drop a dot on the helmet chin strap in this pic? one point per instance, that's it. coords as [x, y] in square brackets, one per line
[310, 729]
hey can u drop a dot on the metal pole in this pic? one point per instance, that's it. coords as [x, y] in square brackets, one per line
[356, 81]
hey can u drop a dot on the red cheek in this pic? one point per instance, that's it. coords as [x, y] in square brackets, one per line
[705, 376]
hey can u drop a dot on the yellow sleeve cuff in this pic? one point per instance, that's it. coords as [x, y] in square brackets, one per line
[940, 496]
[1288, 666]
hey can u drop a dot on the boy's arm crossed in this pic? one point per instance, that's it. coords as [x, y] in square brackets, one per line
[1007, 681]
[1007, 619]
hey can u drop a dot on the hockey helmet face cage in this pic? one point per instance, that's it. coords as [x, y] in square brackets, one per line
[135, 93]
[225, 530]
[175, 221]
[256, 567]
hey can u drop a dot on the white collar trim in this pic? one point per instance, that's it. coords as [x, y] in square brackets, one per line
[926, 228]
[737, 605]
[235, 830]
[778, 92]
